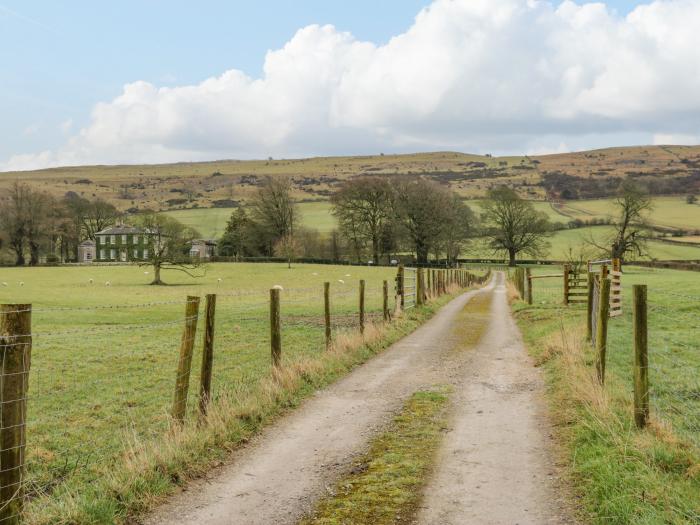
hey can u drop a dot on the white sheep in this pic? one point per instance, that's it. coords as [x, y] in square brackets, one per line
[341, 281]
[4, 284]
[91, 280]
[347, 275]
[314, 273]
[21, 283]
[219, 279]
[145, 273]
[277, 287]
[108, 283]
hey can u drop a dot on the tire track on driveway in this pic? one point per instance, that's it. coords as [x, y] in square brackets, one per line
[279, 476]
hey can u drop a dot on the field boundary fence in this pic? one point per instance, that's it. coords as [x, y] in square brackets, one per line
[166, 369]
[662, 341]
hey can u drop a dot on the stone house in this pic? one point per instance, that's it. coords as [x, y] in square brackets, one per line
[87, 251]
[121, 243]
[203, 249]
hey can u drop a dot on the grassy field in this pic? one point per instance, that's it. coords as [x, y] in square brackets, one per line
[211, 222]
[577, 238]
[623, 475]
[671, 212]
[541, 206]
[105, 355]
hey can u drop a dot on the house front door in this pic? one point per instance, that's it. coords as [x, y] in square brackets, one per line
[122, 255]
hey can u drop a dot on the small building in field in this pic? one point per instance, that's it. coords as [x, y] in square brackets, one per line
[121, 243]
[203, 249]
[86, 251]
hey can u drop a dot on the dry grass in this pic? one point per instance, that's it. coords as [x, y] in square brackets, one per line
[622, 475]
[150, 470]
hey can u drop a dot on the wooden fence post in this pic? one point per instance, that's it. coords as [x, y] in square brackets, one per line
[327, 312]
[589, 306]
[528, 273]
[567, 271]
[399, 285]
[385, 300]
[362, 306]
[419, 286]
[207, 354]
[641, 360]
[275, 327]
[602, 328]
[184, 365]
[15, 352]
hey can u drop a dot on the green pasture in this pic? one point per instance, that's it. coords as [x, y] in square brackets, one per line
[211, 222]
[541, 206]
[578, 238]
[612, 463]
[106, 343]
[671, 212]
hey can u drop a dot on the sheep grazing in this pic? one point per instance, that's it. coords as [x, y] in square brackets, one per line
[4, 284]
[314, 273]
[341, 281]
[21, 283]
[347, 275]
[108, 283]
[219, 279]
[91, 281]
[145, 273]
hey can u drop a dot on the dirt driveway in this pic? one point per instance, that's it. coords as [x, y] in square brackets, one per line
[495, 465]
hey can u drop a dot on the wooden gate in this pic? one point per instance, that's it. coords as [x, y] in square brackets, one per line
[615, 276]
[575, 286]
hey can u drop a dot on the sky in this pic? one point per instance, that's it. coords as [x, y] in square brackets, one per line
[86, 82]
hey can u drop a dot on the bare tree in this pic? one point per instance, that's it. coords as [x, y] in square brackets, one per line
[13, 219]
[630, 226]
[26, 215]
[513, 225]
[38, 213]
[288, 247]
[274, 211]
[168, 245]
[364, 207]
[432, 217]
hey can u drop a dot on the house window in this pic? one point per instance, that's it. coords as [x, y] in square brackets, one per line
[136, 239]
[136, 253]
[103, 254]
[145, 253]
[88, 256]
[112, 254]
[113, 239]
[123, 239]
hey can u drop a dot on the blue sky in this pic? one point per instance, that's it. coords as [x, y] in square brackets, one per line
[61, 58]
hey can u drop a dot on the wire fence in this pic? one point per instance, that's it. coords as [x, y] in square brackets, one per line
[108, 375]
[673, 358]
[655, 352]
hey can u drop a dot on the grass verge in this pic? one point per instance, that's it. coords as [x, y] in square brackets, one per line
[620, 475]
[384, 486]
[152, 469]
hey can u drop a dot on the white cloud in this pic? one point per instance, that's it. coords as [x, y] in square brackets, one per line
[474, 75]
[666, 139]
[66, 126]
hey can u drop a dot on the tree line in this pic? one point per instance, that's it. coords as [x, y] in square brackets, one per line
[379, 219]
[33, 222]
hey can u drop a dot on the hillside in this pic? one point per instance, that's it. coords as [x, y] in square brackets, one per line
[588, 174]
